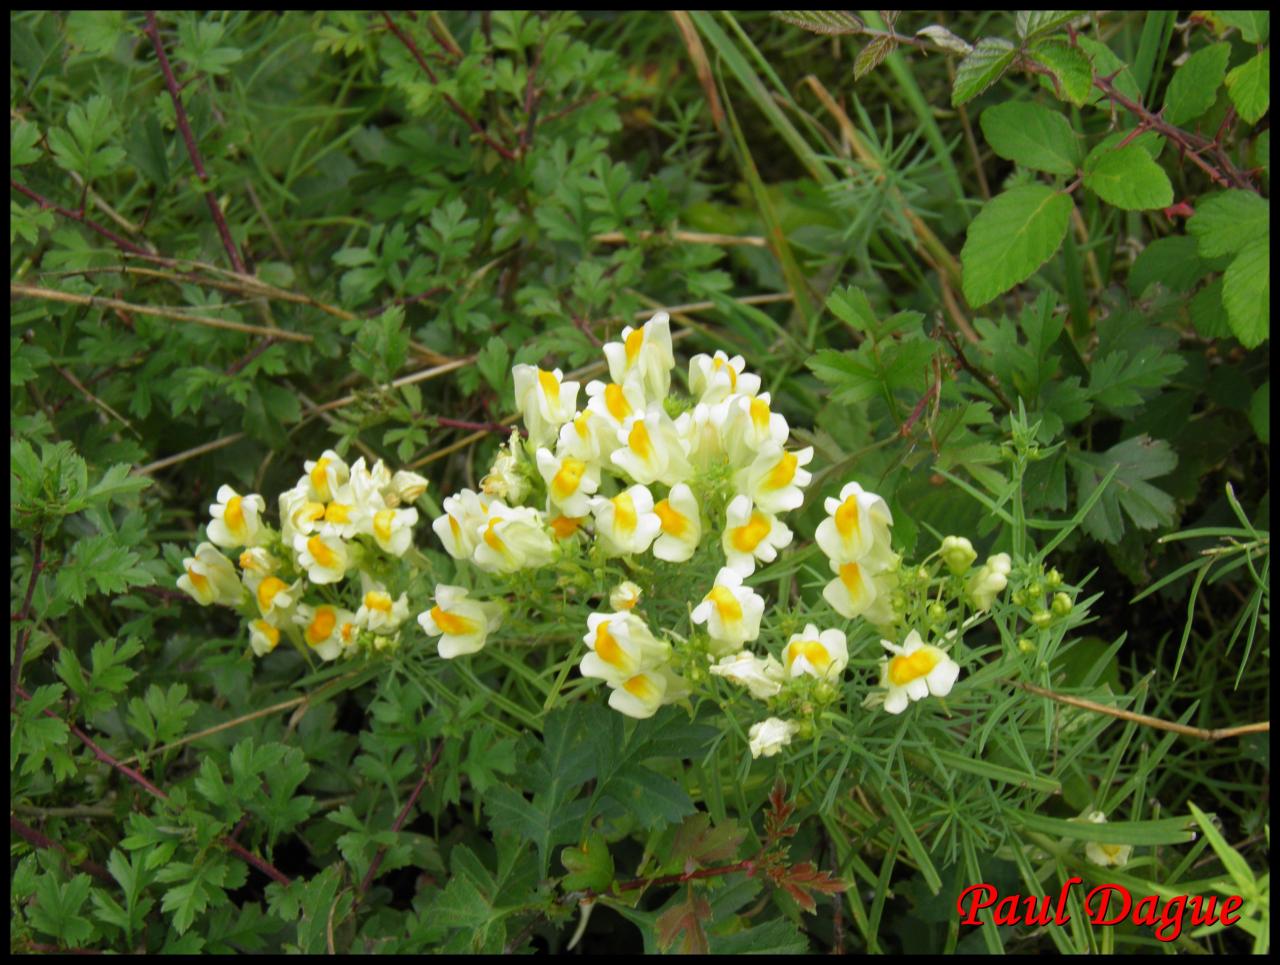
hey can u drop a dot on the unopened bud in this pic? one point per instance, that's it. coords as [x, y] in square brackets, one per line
[1053, 578]
[1042, 618]
[624, 596]
[408, 486]
[958, 553]
[1025, 645]
[1061, 604]
[937, 612]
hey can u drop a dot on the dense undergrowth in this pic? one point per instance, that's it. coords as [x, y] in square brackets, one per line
[1007, 273]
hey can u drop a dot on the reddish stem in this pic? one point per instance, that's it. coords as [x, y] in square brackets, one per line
[107, 233]
[472, 426]
[401, 817]
[15, 673]
[38, 840]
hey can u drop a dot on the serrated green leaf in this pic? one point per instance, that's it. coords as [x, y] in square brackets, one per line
[23, 138]
[1136, 460]
[1033, 136]
[1069, 66]
[56, 910]
[872, 55]
[1250, 86]
[1107, 64]
[1128, 179]
[1254, 25]
[1226, 222]
[1246, 293]
[833, 22]
[1119, 382]
[1013, 235]
[1173, 262]
[1195, 84]
[986, 64]
[1035, 23]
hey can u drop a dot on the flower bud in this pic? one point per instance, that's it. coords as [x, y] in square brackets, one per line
[1025, 645]
[937, 612]
[1042, 618]
[408, 486]
[1053, 579]
[1061, 604]
[624, 596]
[958, 553]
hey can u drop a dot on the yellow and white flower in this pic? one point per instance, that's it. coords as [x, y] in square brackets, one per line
[405, 486]
[613, 403]
[822, 654]
[391, 529]
[626, 523]
[713, 379]
[856, 529]
[505, 480]
[681, 525]
[570, 482]
[545, 400]
[512, 538]
[646, 350]
[343, 519]
[325, 558]
[748, 425]
[299, 513]
[1106, 855]
[255, 565]
[236, 519]
[651, 450]
[365, 487]
[322, 628]
[276, 598]
[762, 677]
[378, 611]
[775, 478]
[588, 436]
[751, 535]
[640, 695]
[462, 624]
[916, 670]
[325, 476]
[771, 735]
[621, 646]
[731, 612]
[700, 433]
[991, 578]
[853, 592]
[624, 596]
[263, 637]
[465, 514]
[210, 578]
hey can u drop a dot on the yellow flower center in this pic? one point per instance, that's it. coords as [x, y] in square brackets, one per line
[492, 538]
[564, 526]
[246, 561]
[811, 650]
[746, 538]
[234, 515]
[782, 473]
[455, 528]
[904, 669]
[322, 553]
[851, 577]
[267, 630]
[375, 600]
[198, 580]
[639, 441]
[642, 688]
[607, 648]
[616, 402]
[673, 521]
[633, 343]
[321, 626]
[320, 478]
[565, 483]
[727, 604]
[267, 591]
[624, 513]
[580, 423]
[451, 623]
[382, 521]
[309, 513]
[550, 386]
[348, 631]
[847, 518]
[760, 413]
[337, 513]
[718, 363]
[1112, 851]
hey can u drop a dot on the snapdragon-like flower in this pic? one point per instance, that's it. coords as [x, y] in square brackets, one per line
[325, 476]
[731, 612]
[342, 519]
[681, 525]
[822, 654]
[325, 558]
[392, 529]
[465, 514]
[275, 597]
[916, 670]
[504, 480]
[588, 436]
[646, 350]
[700, 433]
[640, 695]
[570, 482]
[751, 535]
[210, 578]
[1106, 855]
[299, 513]
[366, 487]
[991, 578]
[771, 735]
[256, 564]
[621, 646]
[322, 628]
[774, 479]
[748, 426]
[762, 677]
[236, 519]
[405, 486]
[512, 538]
[624, 596]
[856, 529]
[263, 637]
[379, 612]
[713, 379]
[853, 592]
[462, 624]
[650, 448]
[545, 400]
[613, 403]
[626, 523]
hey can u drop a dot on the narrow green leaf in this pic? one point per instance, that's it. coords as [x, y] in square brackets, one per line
[1012, 236]
[1139, 833]
[990, 58]
[1128, 179]
[1033, 136]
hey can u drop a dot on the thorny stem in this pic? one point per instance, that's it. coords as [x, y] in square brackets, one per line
[457, 108]
[184, 126]
[231, 845]
[24, 614]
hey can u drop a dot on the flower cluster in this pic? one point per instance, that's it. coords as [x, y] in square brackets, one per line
[339, 527]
